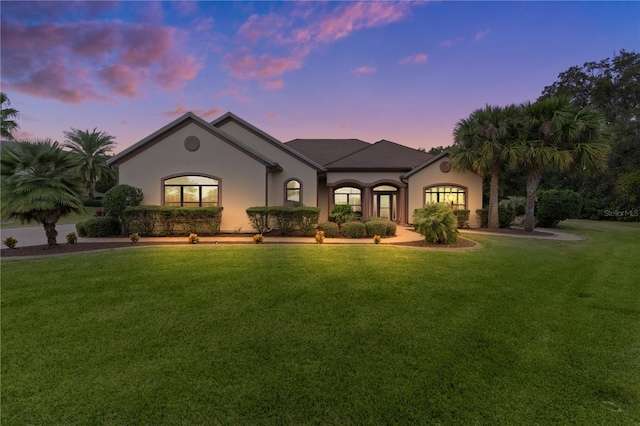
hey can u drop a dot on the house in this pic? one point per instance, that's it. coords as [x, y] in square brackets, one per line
[233, 164]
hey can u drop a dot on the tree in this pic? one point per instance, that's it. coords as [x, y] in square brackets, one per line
[117, 199]
[39, 183]
[485, 143]
[613, 87]
[92, 150]
[9, 125]
[556, 136]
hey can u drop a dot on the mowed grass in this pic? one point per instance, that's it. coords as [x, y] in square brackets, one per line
[517, 332]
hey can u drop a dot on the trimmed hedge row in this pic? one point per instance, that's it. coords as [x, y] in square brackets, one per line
[165, 221]
[354, 229]
[98, 227]
[285, 219]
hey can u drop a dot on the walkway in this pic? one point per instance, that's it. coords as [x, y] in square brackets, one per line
[34, 235]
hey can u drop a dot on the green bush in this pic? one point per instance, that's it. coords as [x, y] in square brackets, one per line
[98, 227]
[342, 213]
[354, 230]
[87, 202]
[169, 220]
[391, 228]
[556, 205]
[117, 199]
[462, 216]
[483, 216]
[286, 219]
[330, 229]
[505, 215]
[437, 223]
[376, 227]
[517, 204]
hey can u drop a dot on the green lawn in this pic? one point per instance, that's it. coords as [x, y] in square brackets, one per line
[517, 332]
[71, 218]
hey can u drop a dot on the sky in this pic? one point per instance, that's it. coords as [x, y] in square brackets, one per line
[401, 71]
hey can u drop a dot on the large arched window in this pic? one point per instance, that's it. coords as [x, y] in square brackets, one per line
[294, 191]
[191, 191]
[350, 196]
[455, 196]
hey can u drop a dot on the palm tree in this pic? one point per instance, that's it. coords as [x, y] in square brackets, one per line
[7, 114]
[556, 136]
[484, 143]
[39, 183]
[91, 148]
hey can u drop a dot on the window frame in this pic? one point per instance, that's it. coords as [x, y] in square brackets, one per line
[287, 190]
[360, 206]
[454, 206]
[200, 187]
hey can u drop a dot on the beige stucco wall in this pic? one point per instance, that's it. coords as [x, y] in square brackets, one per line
[365, 178]
[292, 167]
[431, 175]
[242, 178]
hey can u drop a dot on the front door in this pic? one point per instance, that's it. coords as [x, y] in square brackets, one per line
[385, 205]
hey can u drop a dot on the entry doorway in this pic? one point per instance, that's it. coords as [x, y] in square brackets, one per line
[385, 202]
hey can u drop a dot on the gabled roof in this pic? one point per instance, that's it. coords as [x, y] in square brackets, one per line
[426, 164]
[175, 125]
[325, 151]
[229, 116]
[382, 155]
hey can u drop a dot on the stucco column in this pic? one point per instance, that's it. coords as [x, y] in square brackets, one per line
[403, 207]
[367, 201]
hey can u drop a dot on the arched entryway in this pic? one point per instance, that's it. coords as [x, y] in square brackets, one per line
[385, 202]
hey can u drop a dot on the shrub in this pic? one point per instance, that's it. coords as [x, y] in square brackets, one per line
[330, 229]
[142, 218]
[284, 218]
[10, 242]
[165, 220]
[517, 204]
[100, 213]
[462, 216]
[354, 230]
[391, 228]
[259, 219]
[377, 239]
[506, 214]
[72, 238]
[556, 205]
[193, 238]
[117, 199]
[376, 227]
[437, 223]
[135, 237]
[98, 227]
[319, 237]
[87, 202]
[483, 216]
[342, 213]
[258, 238]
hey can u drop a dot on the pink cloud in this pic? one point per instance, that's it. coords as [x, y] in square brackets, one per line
[273, 85]
[364, 70]
[418, 58]
[302, 31]
[206, 114]
[451, 42]
[87, 61]
[481, 34]
[251, 67]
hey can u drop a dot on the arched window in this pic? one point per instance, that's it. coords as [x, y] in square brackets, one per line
[191, 191]
[294, 191]
[385, 201]
[350, 196]
[455, 196]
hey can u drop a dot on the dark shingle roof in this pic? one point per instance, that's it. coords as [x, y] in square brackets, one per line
[325, 151]
[382, 155]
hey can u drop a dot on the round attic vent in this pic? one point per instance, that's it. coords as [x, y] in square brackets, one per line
[445, 167]
[192, 143]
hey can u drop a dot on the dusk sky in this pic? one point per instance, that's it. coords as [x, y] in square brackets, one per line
[401, 71]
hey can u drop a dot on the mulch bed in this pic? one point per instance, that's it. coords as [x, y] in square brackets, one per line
[42, 250]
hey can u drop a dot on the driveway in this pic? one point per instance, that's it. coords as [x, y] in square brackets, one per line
[34, 235]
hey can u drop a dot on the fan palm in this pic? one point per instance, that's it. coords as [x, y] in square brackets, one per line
[7, 115]
[556, 136]
[92, 149]
[485, 143]
[39, 183]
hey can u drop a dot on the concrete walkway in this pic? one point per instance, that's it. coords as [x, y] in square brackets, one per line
[34, 235]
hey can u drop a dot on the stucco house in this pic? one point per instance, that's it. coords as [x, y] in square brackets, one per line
[233, 164]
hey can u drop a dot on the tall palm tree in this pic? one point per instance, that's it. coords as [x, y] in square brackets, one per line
[92, 149]
[484, 143]
[557, 136]
[39, 183]
[8, 124]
